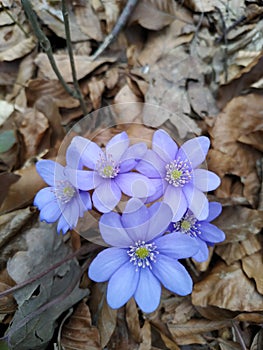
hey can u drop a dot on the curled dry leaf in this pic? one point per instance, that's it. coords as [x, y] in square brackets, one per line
[153, 14]
[146, 333]
[133, 322]
[242, 116]
[7, 303]
[229, 288]
[96, 88]
[79, 333]
[253, 267]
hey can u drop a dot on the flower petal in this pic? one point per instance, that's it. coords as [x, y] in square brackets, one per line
[164, 145]
[211, 233]
[122, 285]
[159, 220]
[117, 146]
[151, 165]
[44, 196]
[197, 201]
[195, 150]
[177, 245]
[203, 252]
[148, 292]
[50, 171]
[106, 196]
[131, 156]
[50, 212]
[172, 275]
[89, 152]
[70, 212]
[112, 230]
[62, 225]
[135, 219]
[205, 180]
[135, 185]
[175, 198]
[84, 180]
[160, 186]
[84, 201]
[106, 263]
[215, 210]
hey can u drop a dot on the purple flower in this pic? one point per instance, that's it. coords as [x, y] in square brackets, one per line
[176, 176]
[203, 232]
[110, 173]
[141, 258]
[61, 201]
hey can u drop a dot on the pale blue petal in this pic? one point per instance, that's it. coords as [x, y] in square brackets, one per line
[197, 201]
[106, 196]
[106, 263]
[215, 210]
[195, 150]
[152, 165]
[135, 185]
[84, 180]
[62, 225]
[203, 252]
[50, 212]
[84, 201]
[175, 198]
[164, 146]
[131, 157]
[159, 221]
[122, 285]
[148, 292]
[112, 231]
[172, 275]
[117, 146]
[73, 157]
[44, 196]
[89, 152]
[205, 180]
[160, 186]
[70, 211]
[50, 171]
[135, 219]
[177, 245]
[211, 233]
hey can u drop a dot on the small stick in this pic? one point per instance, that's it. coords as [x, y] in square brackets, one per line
[122, 20]
[71, 57]
[13, 19]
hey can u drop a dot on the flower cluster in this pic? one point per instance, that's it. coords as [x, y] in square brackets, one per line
[146, 241]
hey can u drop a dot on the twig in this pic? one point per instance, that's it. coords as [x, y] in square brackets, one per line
[224, 36]
[81, 251]
[71, 57]
[116, 29]
[46, 46]
[13, 19]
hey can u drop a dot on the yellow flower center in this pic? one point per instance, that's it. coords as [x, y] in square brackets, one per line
[108, 171]
[185, 225]
[176, 174]
[142, 252]
[68, 191]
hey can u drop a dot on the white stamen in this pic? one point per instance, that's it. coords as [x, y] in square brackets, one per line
[64, 191]
[178, 172]
[143, 254]
[188, 224]
[107, 167]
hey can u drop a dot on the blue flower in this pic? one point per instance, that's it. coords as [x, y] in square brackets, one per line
[111, 170]
[202, 231]
[176, 176]
[61, 201]
[141, 258]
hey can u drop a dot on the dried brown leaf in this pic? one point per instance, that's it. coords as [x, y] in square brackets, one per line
[239, 223]
[153, 14]
[7, 303]
[133, 322]
[229, 288]
[146, 333]
[6, 179]
[79, 333]
[253, 267]
[96, 88]
[83, 66]
[200, 5]
[234, 251]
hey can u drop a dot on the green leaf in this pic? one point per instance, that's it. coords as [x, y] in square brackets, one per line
[7, 140]
[3, 346]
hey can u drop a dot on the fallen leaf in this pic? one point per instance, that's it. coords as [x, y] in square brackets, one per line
[79, 333]
[133, 322]
[7, 303]
[96, 88]
[253, 267]
[229, 288]
[6, 109]
[146, 333]
[6, 179]
[201, 6]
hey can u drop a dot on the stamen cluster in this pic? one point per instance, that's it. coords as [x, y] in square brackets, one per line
[188, 225]
[178, 172]
[107, 167]
[143, 254]
[64, 191]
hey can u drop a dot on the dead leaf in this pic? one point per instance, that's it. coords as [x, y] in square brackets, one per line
[153, 14]
[7, 303]
[146, 343]
[6, 109]
[79, 333]
[201, 6]
[227, 287]
[83, 66]
[6, 179]
[96, 88]
[253, 267]
[133, 322]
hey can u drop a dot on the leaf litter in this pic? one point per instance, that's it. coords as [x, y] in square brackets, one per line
[199, 61]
